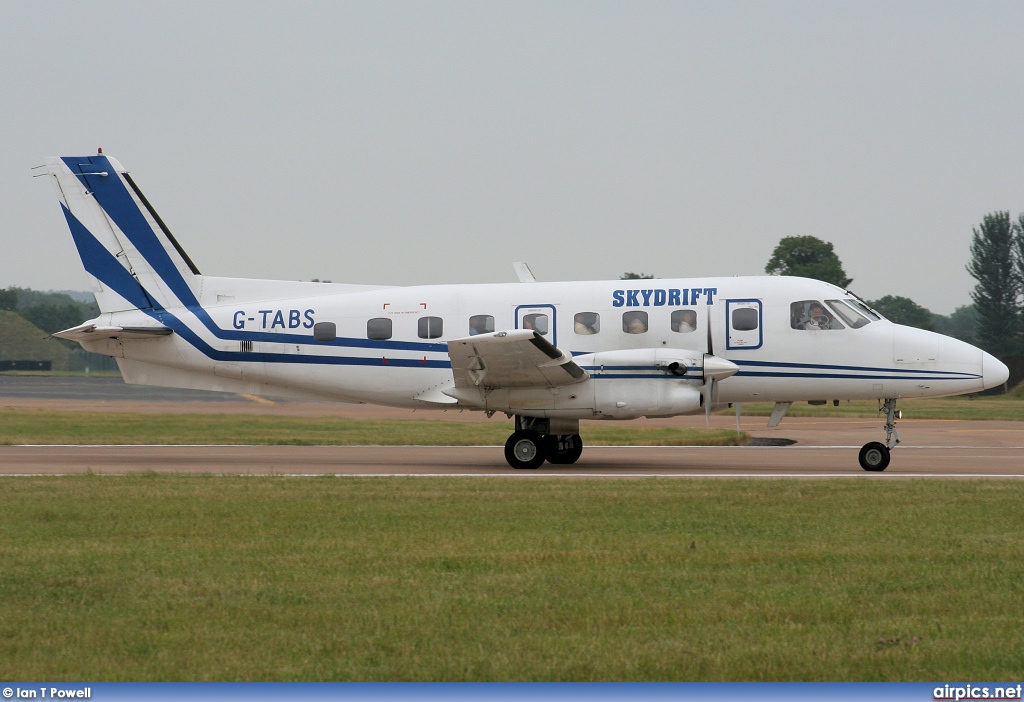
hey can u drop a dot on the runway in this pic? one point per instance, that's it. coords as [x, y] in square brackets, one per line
[824, 448]
[488, 461]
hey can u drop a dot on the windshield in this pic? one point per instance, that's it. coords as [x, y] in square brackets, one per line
[848, 314]
[857, 304]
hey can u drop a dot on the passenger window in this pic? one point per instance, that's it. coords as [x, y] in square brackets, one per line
[325, 331]
[537, 322]
[587, 323]
[811, 315]
[429, 327]
[684, 321]
[378, 328]
[634, 322]
[481, 324]
[848, 314]
[744, 319]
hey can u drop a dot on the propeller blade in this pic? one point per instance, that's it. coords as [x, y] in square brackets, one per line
[708, 391]
[711, 347]
[715, 371]
[739, 409]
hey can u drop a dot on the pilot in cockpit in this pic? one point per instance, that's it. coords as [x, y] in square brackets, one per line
[818, 318]
[812, 316]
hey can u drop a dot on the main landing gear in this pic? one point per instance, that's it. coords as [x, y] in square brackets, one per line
[874, 455]
[536, 440]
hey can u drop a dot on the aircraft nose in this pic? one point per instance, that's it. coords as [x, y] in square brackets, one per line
[994, 372]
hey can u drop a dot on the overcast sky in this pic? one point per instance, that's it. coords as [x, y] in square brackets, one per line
[438, 142]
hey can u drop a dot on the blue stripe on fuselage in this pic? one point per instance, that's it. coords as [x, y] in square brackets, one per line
[823, 366]
[102, 264]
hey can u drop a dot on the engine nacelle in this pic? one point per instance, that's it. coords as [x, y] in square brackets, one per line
[622, 385]
[642, 363]
[628, 399]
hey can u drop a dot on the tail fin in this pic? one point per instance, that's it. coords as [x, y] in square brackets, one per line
[134, 261]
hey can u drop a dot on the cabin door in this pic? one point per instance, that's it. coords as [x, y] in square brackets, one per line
[743, 318]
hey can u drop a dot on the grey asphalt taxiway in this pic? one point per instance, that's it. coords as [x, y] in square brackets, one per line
[822, 448]
[597, 461]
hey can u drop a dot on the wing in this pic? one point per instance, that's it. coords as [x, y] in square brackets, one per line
[511, 359]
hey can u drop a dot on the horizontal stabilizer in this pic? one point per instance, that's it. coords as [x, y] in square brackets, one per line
[90, 331]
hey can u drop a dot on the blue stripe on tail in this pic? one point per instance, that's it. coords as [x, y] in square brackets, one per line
[115, 199]
[102, 265]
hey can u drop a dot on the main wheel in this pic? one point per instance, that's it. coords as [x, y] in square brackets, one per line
[525, 449]
[564, 450]
[874, 456]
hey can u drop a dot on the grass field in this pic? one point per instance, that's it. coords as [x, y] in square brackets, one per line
[234, 578]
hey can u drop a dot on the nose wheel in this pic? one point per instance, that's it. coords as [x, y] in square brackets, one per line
[874, 456]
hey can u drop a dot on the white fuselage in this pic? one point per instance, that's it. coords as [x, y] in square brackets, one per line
[258, 337]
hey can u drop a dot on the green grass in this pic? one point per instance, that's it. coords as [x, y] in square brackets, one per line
[234, 578]
[47, 427]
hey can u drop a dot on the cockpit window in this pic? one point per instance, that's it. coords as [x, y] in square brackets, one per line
[864, 308]
[811, 315]
[852, 317]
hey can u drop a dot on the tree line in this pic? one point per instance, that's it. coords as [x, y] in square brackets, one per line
[995, 319]
[997, 263]
[50, 311]
[810, 257]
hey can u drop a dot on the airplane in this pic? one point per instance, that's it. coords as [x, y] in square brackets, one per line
[549, 354]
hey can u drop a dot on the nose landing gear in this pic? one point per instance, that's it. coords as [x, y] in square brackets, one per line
[874, 456]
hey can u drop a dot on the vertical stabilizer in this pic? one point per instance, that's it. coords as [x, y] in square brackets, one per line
[134, 261]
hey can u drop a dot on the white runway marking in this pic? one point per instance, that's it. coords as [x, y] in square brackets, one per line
[901, 447]
[563, 476]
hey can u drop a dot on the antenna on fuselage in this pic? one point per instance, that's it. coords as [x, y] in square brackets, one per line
[523, 272]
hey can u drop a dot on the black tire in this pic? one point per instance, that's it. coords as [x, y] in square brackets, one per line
[874, 456]
[525, 450]
[572, 448]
